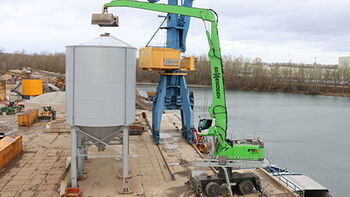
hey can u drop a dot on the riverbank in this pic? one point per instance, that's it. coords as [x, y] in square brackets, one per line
[338, 94]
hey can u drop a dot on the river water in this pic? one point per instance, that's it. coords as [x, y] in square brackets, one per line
[306, 134]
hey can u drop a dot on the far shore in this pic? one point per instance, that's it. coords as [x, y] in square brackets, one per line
[258, 90]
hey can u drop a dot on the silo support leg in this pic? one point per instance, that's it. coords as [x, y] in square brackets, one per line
[73, 165]
[125, 188]
[80, 159]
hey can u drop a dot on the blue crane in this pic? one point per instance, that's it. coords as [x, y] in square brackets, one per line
[172, 92]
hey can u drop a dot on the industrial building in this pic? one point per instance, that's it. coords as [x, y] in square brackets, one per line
[344, 61]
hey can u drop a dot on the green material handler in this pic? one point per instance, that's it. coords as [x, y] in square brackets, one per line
[227, 152]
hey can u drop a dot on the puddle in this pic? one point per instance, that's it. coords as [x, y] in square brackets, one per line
[175, 139]
[169, 151]
[170, 146]
[135, 156]
[173, 163]
[165, 135]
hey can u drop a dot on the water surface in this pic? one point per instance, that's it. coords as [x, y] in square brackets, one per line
[304, 133]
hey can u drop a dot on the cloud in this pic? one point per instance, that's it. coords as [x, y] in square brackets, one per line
[272, 29]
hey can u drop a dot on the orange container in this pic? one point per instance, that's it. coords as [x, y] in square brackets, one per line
[2, 90]
[10, 147]
[28, 117]
[32, 87]
[73, 192]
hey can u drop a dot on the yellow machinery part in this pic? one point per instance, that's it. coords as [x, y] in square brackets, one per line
[46, 113]
[188, 63]
[174, 74]
[151, 94]
[159, 59]
[32, 87]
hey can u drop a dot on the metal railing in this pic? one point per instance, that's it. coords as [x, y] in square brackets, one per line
[290, 184]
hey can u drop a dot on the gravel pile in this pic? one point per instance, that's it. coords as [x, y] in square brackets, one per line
[51, 98]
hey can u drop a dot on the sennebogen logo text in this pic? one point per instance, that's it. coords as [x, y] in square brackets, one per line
[217, 77]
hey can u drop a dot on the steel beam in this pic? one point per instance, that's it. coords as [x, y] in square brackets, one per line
[73, 134]
[125, 159]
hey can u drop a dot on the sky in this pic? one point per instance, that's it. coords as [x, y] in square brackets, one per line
[298, 31]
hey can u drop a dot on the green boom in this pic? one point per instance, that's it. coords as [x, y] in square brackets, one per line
[218, 108]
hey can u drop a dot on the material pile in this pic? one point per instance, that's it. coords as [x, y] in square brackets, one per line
[51, 98]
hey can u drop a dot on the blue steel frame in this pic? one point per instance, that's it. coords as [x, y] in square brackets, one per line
[172, 92]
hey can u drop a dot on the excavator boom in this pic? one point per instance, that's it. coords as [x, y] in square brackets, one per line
[251, 151]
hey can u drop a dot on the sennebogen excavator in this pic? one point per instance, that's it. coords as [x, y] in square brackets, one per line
[228, 153]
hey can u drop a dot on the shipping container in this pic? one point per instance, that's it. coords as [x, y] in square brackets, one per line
[10, 147]
[28, 117]
[2, 90]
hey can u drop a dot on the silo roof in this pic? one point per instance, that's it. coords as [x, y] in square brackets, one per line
[106, 40]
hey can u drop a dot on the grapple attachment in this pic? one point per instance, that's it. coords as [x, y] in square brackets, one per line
[105, 20]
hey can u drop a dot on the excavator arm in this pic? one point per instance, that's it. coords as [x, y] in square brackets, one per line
[218, 108]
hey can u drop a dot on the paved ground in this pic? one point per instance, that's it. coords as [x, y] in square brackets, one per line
[38, 169]
[149, 175]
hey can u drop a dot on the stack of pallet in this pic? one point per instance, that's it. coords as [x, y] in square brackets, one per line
[138, 127]
[57, 126]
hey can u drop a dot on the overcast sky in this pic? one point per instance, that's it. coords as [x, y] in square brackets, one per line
[275, 30]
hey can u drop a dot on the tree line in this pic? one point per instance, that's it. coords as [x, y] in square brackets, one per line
[253, 74]
[54, 62]
[239, 73]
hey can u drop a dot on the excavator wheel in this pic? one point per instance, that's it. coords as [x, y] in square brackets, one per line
[246, 187]
[212, 189]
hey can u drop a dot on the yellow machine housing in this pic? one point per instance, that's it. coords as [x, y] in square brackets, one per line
[188, 63]
[159, 59]
[32, 87]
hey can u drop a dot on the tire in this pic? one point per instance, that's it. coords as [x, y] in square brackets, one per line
[246, 187]
[212, 189]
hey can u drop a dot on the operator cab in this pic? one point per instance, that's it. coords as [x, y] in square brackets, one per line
[204, 125]
[12, 103]
[47, 108]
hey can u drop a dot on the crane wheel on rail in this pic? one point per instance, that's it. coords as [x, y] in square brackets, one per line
[244, 183]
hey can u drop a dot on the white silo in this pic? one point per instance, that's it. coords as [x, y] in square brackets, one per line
[100, 92]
